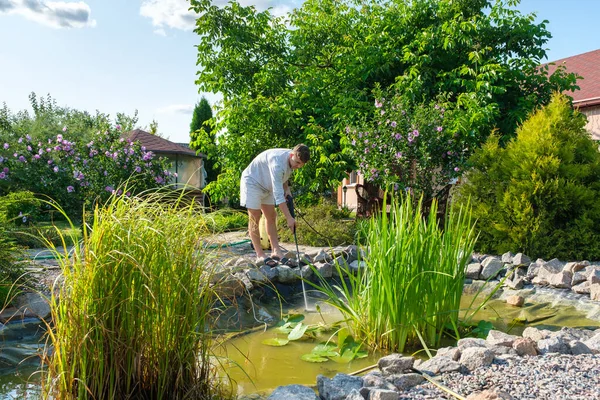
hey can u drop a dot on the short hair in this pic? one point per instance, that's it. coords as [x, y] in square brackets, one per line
[302, 152]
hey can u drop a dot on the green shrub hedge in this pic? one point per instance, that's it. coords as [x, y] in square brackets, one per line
[323, 224]
[541, 193]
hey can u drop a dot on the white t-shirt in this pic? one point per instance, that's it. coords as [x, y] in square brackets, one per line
[270, 169]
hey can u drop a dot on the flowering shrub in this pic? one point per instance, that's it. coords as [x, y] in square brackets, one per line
[410, 147]
[76, 174]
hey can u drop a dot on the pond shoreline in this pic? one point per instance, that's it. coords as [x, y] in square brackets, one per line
[532, 282]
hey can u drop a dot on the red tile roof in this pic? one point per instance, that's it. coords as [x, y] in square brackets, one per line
[588, 66]
[157, 144]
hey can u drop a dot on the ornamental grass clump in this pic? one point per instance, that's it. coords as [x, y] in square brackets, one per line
[410, 290]
[131, 319]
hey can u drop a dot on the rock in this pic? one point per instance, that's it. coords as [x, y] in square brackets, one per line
[339, 387]
[553, 266]
[293, 392]
[525, 347]
[452, 352]
[470, 342]
[569, 334]
[383, 394]
[491, 266]
[498, 350]
[472, 271]
[536, 334]
[352, 253]
[355, 395]
[515, 283]
[286, 274]
[573, 267]
[553, 345]
[507, 257]
[533, 269]
[406, 381]
[578, 347]
[395, 364]
[258, 275]
[475, 357]
[243, 262]
[497, 338]
[593, 343]
[325, 270]
[595, 291]
[520, 259]
[582, 288]
[594, 275]
[515, 300]
[357, 265]
[377, 381]
[321, 256]
[561, 280]
[490, 395]
[579, 277]
[32, 305]
[438, 365]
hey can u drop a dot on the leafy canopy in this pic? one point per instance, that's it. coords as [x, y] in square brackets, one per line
[305, 76]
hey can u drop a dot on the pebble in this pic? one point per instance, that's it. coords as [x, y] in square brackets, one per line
[551, 376]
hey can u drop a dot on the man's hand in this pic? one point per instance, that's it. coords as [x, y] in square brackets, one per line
[291, 221]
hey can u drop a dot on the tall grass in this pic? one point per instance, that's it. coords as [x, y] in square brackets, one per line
[410, 290]
[131, 320]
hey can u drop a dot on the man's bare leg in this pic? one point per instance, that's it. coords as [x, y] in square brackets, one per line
[253, 220]
[271, 217]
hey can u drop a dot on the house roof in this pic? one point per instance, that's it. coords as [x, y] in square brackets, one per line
[588, 66]
[159, 145]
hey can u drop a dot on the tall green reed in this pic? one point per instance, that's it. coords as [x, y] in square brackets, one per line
[410, 290]
[131, 320]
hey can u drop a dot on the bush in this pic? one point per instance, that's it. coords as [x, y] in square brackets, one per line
[20, 208]
[227, 220]
[319, 225]
[10, 270]
[539, 195]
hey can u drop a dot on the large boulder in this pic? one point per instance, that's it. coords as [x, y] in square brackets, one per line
[339, 387]
[293, 392]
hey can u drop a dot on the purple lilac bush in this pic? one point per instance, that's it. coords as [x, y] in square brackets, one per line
[79, 174]
[409, 147]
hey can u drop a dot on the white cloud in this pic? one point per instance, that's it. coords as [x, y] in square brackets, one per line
[176, 14]
[176, 109]
[169, 14]
[55, 14]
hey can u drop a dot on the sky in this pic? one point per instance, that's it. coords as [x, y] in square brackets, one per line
[126, 55]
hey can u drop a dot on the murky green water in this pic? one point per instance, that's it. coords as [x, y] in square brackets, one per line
[257, 368]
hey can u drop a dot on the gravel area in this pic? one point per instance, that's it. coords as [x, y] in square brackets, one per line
[551, 376]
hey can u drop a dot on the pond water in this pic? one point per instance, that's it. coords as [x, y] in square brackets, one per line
[256, 368]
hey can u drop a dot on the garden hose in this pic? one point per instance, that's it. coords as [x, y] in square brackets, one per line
[219, 246]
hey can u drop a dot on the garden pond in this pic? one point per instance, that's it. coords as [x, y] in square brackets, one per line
[257, 368]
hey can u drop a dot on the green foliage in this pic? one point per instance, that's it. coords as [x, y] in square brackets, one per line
[407, 146]
[133, 319]
[227, 220]
[539, 195]
[20, 208]
[320, 224]
[412, 284]
[10, 269]
[305, 76]
[203, 139]
[75, 173]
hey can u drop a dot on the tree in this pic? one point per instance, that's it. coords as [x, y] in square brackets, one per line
[202, 139]
[304, 77]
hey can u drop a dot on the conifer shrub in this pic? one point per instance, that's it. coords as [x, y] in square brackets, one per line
[541, 193]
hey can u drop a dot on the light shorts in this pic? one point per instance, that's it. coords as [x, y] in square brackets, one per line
[252, 195]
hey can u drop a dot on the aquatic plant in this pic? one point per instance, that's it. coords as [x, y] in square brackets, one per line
[411, 286]
[133, 317]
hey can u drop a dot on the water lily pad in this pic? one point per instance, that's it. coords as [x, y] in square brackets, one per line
[315, 358]
[345, 357]
[294, 318]
[298, 331]
[286, 328]
[276, 342]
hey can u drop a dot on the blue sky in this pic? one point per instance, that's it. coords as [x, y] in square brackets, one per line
[123, 55]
